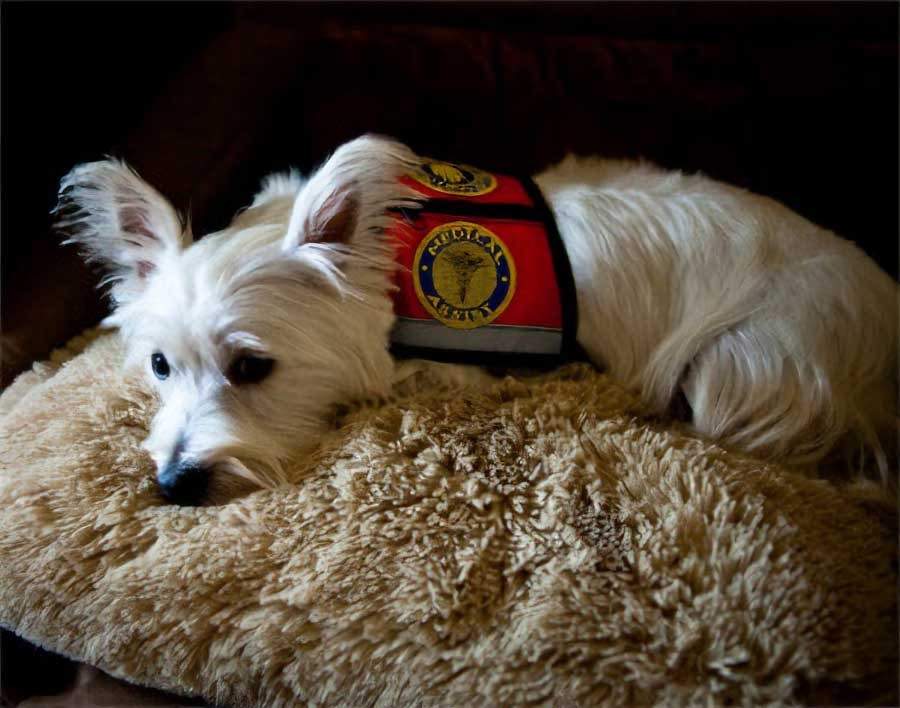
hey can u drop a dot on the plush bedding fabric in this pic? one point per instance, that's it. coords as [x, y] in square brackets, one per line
[538, 542]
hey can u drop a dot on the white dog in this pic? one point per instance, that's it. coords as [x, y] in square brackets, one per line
[781, 336]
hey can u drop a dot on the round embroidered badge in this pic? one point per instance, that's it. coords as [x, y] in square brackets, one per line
[460, 180]
[463, 275]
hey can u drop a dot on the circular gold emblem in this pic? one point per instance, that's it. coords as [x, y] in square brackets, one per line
[460, 180]
[464, 275]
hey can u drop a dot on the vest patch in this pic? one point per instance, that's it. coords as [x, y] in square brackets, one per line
[448, 178]
[464, 274]
[482, 275]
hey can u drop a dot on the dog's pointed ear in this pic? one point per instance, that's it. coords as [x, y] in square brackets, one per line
[350, 193]
[120, 221]
[323, 213]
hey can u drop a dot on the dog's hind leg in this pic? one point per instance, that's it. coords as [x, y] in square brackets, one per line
[747, 392]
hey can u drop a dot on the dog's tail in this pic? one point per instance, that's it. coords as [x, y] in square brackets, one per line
[752, 385]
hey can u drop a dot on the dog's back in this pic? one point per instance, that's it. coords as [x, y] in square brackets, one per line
[782, 336]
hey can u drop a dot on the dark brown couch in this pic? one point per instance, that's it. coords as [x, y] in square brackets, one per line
[795, 100]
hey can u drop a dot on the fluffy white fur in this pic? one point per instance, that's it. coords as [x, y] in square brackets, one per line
[782, 336]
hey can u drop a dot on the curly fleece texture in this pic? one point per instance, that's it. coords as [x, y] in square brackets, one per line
[537, 542]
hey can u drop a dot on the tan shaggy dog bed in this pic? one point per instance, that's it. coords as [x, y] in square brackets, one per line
[538, 542]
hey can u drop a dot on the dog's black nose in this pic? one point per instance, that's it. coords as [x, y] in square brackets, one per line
[183, 483]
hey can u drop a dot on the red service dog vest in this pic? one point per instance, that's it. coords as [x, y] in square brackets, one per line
[484, 277]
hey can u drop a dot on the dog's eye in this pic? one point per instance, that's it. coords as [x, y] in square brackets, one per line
[250, 369]
[160, 365]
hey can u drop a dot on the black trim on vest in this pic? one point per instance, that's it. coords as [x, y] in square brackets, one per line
[454, 207]
[496, 360]
[564, 279]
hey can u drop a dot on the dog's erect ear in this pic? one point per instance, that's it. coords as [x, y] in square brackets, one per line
[323, 213]
[120, 221]
[351, 193]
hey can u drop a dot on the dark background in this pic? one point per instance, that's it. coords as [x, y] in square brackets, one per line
[794, 100]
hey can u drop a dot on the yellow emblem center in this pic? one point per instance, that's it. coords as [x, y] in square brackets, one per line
[464, 275]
